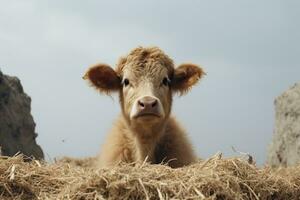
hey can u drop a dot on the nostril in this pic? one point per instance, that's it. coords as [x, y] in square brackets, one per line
[154, 103]
[141, 104]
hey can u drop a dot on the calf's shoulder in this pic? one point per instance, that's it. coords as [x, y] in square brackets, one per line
[175, 147]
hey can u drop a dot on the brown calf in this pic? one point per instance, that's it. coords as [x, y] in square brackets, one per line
[145, 80]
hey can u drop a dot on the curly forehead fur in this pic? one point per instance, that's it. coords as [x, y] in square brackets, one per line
[145, 59]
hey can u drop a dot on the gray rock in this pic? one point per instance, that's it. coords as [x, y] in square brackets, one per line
[285, 147]
[17, 128]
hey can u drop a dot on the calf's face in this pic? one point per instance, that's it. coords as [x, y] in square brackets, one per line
[145, 92]
[145, 80]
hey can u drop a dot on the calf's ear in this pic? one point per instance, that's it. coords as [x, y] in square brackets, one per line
[185, 76]
[103, 78]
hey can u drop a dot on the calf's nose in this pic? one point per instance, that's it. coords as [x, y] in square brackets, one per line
[147, 103]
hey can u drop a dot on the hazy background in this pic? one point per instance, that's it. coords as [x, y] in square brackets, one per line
[249, 49]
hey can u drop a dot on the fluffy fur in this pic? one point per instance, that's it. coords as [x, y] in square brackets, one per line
[134, 140]
[173, 146]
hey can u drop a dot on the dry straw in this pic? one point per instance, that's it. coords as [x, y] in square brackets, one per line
[215, 178]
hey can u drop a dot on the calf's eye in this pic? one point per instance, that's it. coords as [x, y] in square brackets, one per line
[165, 81]
[126, 82]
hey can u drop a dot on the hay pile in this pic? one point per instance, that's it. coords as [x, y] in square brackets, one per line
[215, 178]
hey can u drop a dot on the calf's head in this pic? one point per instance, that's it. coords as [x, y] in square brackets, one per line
[145, 80]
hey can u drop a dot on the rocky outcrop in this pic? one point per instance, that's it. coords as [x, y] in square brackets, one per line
[285, 147]
[17, 128]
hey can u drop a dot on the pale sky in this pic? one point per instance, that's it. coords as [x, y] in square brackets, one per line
[249, 49]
